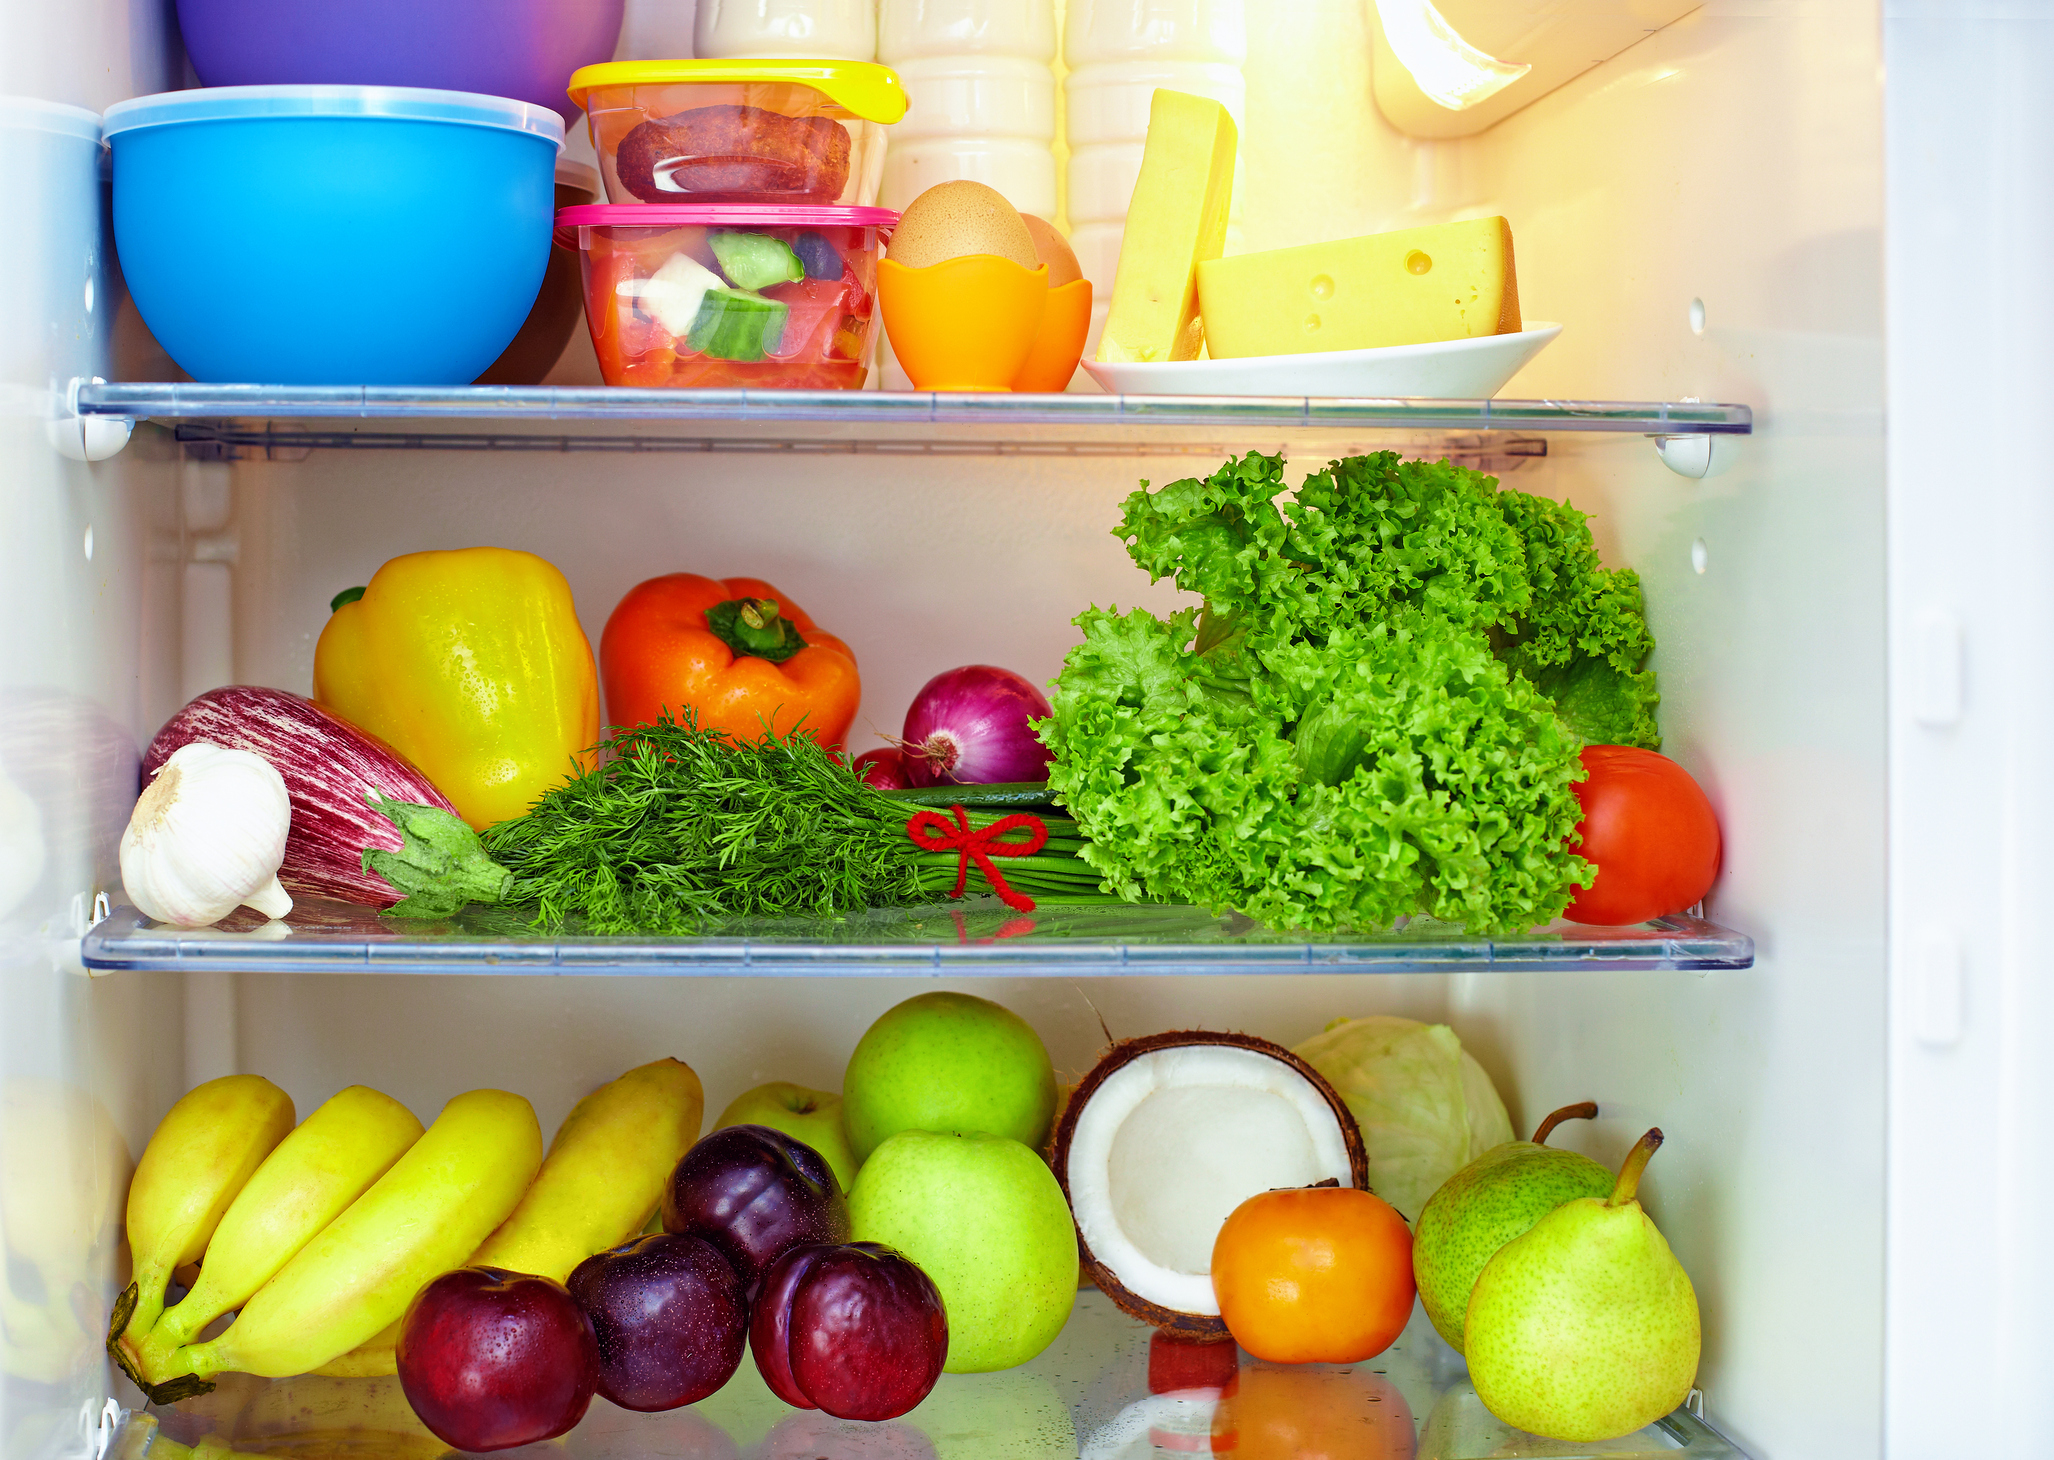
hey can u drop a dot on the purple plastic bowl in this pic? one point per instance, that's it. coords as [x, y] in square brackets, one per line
[519, 48]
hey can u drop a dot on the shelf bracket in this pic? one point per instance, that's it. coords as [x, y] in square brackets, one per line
[78, 437]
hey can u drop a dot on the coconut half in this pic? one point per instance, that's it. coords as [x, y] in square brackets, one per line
[1166, 1136]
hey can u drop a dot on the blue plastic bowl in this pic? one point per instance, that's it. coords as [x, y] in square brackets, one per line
[333, 235]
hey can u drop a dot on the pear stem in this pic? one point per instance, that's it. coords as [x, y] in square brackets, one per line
[1581, 1110]
[1636, 1162]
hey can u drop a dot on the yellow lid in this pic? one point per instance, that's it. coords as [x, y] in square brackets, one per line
[860, 88]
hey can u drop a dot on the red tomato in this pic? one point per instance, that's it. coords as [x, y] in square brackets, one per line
[1651, 832]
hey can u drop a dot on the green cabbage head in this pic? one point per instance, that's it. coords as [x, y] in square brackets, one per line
[1426, 1107]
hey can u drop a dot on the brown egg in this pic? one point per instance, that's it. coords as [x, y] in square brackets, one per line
[1054, 250]
[952, 219]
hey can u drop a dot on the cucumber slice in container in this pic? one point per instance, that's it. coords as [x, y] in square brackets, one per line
[736, 324]
[755, 260]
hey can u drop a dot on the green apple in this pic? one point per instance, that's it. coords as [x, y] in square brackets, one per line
[948, 1062]
[983, 1217]
[812, 1116]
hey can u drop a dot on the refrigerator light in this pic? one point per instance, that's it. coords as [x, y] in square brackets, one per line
[1450, 71]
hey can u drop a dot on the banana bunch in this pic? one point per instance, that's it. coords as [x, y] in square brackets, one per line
[318, 1237]
[600, 1186]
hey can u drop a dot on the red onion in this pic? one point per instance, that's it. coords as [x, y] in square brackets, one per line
[884, 768]
[329, 767]
[969, 726]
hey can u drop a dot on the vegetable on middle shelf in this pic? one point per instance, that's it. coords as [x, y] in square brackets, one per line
[735, 654]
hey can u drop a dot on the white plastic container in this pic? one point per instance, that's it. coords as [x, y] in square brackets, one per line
[787, 30]
[1119, 52]
[981, 98]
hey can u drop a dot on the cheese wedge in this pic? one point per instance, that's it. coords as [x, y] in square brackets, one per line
[1177, 220]
[1451, 281]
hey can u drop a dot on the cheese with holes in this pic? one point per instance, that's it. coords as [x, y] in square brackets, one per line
[1452, 281]
[1177, 220]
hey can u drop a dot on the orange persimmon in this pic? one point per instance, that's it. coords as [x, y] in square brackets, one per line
[1315, 1274]
[735, 653]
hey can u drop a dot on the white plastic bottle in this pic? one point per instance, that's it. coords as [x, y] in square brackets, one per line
[981, 97]
[1119, 52]
[794, 30]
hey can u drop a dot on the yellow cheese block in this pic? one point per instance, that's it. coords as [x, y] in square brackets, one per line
[1177, 220]
[1452, 281]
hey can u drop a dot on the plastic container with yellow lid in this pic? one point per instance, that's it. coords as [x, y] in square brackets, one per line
[740, 131]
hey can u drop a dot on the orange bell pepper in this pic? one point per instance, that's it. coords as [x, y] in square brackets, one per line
[735, 652]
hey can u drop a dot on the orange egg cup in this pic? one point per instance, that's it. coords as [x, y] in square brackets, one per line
[1059, 343]
[965, 323]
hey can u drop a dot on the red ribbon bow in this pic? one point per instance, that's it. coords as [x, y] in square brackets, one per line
[931, 832]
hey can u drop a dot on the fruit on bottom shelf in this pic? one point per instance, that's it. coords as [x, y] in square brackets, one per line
[671, 1315]
[307, 1181]
[1320, 1274]
[755, 1193]
[1586, 1327]
[198, 1160]
[811, 1117]
[982, 1216]
[491, 1359]
[1165, 1137]
[1495, 1198]
[422, 1217]
[856, 1331]
[605, 1172]
[948, 1062]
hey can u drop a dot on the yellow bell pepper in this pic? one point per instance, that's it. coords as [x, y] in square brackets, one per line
[472, 665]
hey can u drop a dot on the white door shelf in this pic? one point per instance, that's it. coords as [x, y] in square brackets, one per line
[965, 939]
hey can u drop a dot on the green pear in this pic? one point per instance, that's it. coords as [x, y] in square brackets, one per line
[984, 1218]
[948, 1062]
[1496, 1197]
[1586, 1327]
[811, 1116]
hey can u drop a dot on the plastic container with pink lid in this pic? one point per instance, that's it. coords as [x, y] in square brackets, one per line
[729, 296]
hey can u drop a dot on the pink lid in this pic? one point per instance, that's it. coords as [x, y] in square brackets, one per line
[771, 215]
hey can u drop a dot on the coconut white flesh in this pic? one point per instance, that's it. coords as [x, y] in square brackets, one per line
[1172, 1142]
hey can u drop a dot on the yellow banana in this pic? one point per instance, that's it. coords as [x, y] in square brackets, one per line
[603, 1178]
[202, 1153]
[303, 1185]
[375, 1356]
[605, 1173]
[421, 1218]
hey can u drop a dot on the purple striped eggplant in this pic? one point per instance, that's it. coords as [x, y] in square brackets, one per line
[330, 768]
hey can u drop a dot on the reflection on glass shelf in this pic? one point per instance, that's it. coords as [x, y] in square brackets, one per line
[900, 410]
[977, 935]
[1091, 1394]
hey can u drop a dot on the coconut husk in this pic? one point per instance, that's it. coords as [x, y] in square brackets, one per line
[1200, 1327]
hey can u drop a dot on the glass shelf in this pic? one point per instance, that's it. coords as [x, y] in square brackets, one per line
[520, 418]
[1101, 1391]
[972, 937]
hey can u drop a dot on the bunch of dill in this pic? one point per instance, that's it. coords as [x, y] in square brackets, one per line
[678, 826]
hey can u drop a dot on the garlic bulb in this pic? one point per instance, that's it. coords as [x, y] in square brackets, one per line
[207, 836]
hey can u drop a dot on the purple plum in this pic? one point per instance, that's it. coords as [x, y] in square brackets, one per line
[672, 1318]
[755, 1193]
[855, 1330]
[491, 1359]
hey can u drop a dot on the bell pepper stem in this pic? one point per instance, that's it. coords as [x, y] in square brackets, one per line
[441, 866]
[755, 628]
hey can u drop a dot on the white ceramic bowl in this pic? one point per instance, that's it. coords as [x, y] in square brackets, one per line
[1445, 370]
